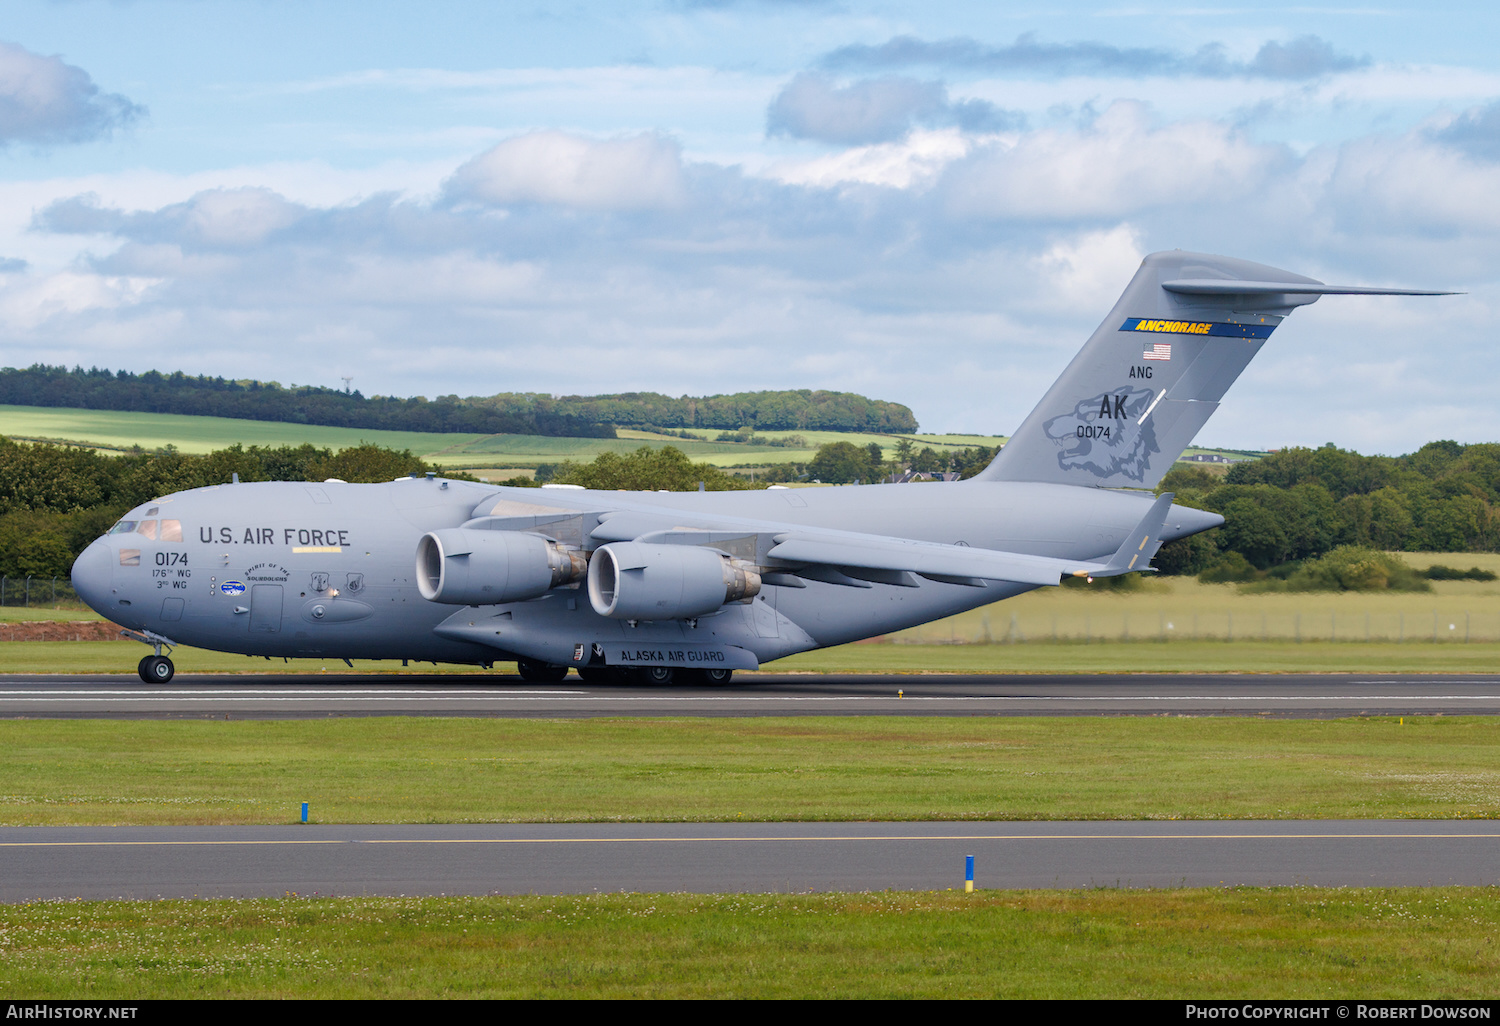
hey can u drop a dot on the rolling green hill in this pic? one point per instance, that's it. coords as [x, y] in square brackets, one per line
[109, 429]
[112, 430]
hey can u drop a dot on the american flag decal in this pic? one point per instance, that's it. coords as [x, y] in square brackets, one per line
[1158, 351]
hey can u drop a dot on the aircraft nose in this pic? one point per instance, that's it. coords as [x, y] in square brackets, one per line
[91, 576]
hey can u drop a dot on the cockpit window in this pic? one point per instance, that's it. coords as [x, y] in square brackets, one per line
[130, 557]
[171, 530]
[124, 527]
[147, 529]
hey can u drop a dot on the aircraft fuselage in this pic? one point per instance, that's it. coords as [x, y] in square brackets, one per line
[328, 570]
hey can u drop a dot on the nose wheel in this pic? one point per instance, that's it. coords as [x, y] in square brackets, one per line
[156, 669]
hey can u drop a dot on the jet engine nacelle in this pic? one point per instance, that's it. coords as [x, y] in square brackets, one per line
[465, 567]
[631, 581]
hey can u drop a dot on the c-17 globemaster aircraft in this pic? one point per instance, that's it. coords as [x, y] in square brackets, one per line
[696, 585]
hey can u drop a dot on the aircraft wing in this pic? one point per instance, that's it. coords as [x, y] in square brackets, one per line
[960, 564]
[852, 558]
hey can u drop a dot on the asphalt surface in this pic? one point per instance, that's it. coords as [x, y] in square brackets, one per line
[184, 862]
[287, 697]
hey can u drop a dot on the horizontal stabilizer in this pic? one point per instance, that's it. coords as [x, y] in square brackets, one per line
[1230, 287]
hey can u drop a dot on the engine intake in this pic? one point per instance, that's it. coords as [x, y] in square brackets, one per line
[631, 581]
[465, 567]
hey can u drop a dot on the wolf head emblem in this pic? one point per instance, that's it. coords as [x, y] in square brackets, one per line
[1104, 435]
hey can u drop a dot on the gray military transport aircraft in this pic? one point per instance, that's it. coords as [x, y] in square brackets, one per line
[697, 585]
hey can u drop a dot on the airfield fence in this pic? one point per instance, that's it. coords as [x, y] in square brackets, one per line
[1311, 623]
[42, 592]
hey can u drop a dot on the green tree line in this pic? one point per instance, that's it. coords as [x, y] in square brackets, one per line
[647, 469]
[571, 416]
[154, 392]
[798, 410]
[1300, 504]
[847, 463]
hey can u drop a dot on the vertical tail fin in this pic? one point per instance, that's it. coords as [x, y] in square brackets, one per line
[1153, 373]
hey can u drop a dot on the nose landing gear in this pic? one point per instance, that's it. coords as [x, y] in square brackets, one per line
[154, 669]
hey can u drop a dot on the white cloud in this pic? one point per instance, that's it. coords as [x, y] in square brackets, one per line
[875, 110]
[1121, 164]
[65, 298]
[1087, 271]
[639, 172]
[233, 218]
[915, 161]
[1413, 186]
[43, 100]
[813, 106]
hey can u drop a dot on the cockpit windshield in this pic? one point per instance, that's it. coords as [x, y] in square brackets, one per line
[171, 530]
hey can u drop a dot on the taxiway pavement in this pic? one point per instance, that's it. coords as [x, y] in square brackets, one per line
[219, 862]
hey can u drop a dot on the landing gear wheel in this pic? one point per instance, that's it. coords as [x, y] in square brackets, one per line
[540, 673]
[656, 676]
[596, 674]
[713, 678]
[155, 669]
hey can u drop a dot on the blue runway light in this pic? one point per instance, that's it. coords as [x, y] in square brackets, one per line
[968, 872]
[304, 819]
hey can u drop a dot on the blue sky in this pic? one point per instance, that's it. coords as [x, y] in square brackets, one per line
[929, 203]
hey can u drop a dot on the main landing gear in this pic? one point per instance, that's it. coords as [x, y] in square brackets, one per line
[648, 676]
[660, 676]
[540, 673]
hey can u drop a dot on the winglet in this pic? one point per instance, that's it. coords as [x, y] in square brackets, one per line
[1135, 552]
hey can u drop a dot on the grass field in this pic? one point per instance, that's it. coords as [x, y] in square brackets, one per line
[431, 770]
[1202, 944]
[530, 450]
[1180, 608]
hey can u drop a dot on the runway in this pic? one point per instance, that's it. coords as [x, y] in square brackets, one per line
[285, 696]
[240, 862]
